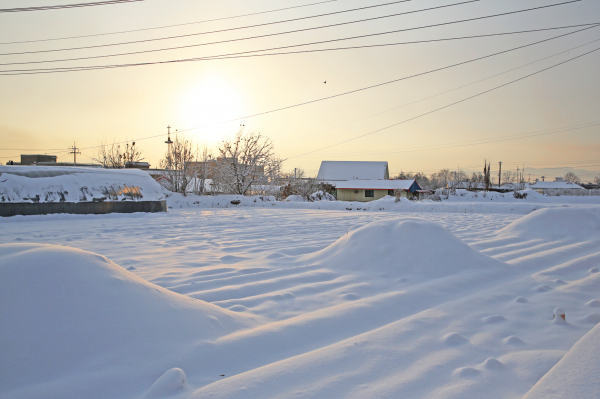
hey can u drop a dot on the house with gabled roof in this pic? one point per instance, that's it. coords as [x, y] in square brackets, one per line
[371, 190]
[353, 170]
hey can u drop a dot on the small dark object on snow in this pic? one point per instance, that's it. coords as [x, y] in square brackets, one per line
[235, 202]
[519, 195]
[222, 375]
[325, 82]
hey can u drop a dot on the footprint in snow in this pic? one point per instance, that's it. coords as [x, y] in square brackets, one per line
[454, 339]
[543, 288]
[493, 364]
[521, 299]
[594, 270]
[466, 372]
[493, 319]
[513, 340]
[238, 308]
[351, 297]
[594, 303]
[131, 268]
[560, 282]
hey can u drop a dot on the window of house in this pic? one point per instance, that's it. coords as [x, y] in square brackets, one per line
[390, 192]
[369, 193]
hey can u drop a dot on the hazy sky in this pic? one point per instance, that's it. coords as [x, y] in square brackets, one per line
[558, 109]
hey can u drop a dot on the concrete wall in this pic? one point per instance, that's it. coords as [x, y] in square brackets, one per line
[351, 195]
[97, 208]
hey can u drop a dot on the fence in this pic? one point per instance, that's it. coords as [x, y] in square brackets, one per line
[97, 208]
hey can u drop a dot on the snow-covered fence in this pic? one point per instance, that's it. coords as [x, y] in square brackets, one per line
[569, 192]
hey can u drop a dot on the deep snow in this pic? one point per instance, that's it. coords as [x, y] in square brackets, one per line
[263, 303]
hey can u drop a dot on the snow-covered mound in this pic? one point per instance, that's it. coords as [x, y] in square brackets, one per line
[555, 223]
[398, 247]
[575, 375]
[71, 315]
[71, 184]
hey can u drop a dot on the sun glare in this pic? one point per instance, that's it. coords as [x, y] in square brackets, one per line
[207, 104]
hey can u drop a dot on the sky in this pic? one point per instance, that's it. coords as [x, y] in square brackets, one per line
[547, 120]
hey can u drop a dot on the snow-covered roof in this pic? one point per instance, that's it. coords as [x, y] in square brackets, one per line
[353, 170]
[555, 185]
[73, 184]
[374, 184]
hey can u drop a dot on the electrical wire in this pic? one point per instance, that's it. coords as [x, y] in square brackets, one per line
[444, 92]
[63, 6]
[167, 26]
[449, 105]
[519, 136]
[569, 128]
[353, 91]
[246, 54]
[249, 26]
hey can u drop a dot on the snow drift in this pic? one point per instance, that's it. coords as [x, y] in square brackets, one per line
[555, 223]
[575, 375]
[398, 247]
[71, 184]
[70, 314]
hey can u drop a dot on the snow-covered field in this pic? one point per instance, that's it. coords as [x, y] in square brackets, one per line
[293, 301]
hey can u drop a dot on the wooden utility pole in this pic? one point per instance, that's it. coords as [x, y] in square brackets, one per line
[500, 175]
[74, 152]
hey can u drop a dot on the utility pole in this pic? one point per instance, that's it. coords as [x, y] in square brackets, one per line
[500, 175]
[74, 152]
[517, 174]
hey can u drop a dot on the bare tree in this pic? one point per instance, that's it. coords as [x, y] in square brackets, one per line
[247, 164]
[572, 177]
[179, 169]
[597, 179]
[202, 170]
[508, 176]
[441, 178]
[113, 156]
[300, 184]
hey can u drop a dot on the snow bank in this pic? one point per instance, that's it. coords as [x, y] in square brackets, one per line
[555, 223]
[72, 184]
[400, 247]
[463, 202]
[575, 375]
[73, 320]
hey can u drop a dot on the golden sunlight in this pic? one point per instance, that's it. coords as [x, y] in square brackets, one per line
[207, 104]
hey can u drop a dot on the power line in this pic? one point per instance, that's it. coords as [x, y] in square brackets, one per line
[247, 54]
[357, 90]
[449, 105]
[552, 131]
[59, 7]
[169, 26]
[519, 136]
[445, 92]
[245, 27]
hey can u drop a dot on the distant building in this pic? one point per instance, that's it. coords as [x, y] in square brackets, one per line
[370, 190]
[331, 171]
[554, 187]
[33, 159]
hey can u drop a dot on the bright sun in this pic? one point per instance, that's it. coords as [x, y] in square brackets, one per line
[209, 102]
